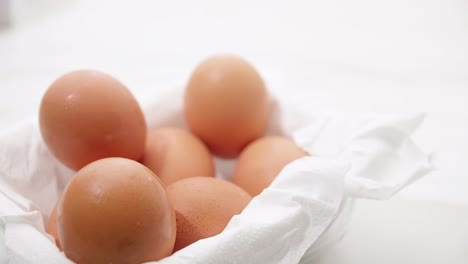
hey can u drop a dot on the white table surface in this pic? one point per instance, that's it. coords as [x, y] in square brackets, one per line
[364, 55]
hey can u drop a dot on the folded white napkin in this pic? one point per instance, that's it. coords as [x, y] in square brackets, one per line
[305, 209]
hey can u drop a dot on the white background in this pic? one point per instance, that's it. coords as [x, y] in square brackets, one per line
[363, 55]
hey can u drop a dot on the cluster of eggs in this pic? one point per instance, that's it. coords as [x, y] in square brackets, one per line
[141, 194]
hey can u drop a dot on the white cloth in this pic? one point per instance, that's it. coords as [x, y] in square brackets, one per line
[352, 156]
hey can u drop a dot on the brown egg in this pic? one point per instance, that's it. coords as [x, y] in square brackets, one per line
[262, 160]
[52, 226]
[174, 154]
[88, 115]
[204, 206]
[115, 210]
[226, 104]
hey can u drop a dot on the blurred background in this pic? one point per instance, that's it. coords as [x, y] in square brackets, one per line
[400, 56]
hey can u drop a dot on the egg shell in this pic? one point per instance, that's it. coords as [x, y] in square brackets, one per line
[174, 154]
[226, 104]
[204, 206]
[115, 210]
[87, 115]
[262, 160]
